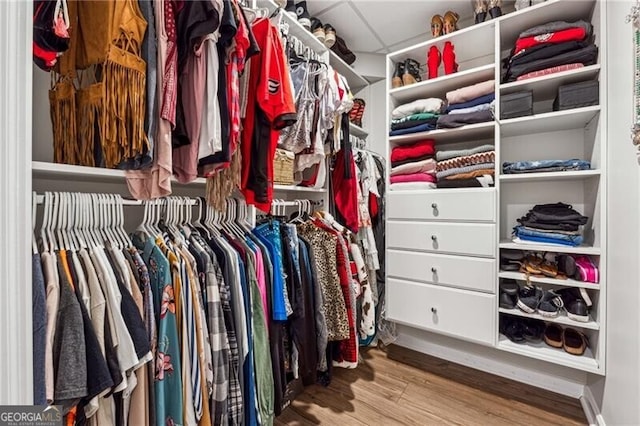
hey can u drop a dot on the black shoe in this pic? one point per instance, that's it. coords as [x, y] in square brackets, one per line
[341, 49]
[396, 79]
[550, 304]
[494, 8]
[529, 299]
[508, 294]
[567, 265]
[303, 15]
[291, 8]
[577, 303]
[533, 330]
[512, 328]
[510, 260]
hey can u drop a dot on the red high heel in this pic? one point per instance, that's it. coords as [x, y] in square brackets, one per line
[449, 58]
[433, 62]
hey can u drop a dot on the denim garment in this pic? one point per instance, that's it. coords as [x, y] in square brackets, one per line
[528, 234]
[414, 129]
[269, 234]
[545, 165]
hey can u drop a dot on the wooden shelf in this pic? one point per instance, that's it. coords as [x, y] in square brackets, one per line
[519, 276]
[549, 122]
[544, 352]
[438, 87]
[549, 176]
[508, 244]
[546, 87]
[355, 80]
[471, 132]
[357, 131]
[561, 319]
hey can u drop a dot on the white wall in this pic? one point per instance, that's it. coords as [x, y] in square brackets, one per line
[375, 119]
[618, 394]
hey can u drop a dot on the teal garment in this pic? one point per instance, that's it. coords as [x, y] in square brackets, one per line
[168, 379]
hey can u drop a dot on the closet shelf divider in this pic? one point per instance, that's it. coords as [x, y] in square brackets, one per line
[549, 122]
[550, 176]
[519, 276]
[561, 319]
[546, 86]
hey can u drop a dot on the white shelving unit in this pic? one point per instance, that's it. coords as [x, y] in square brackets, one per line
[440, 213]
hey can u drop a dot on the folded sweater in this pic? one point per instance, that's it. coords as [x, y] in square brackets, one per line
[415, 150]
[555, 26]
[414, 117]
[411, 160]
[412, 186]
[477, 182]
[477, 108]
[485, 99]
[446, 155]
[451, 121]
[414, 123]
[469, 175]
[432, 105]
[459, 170]
[426, 127]
[424, 166]
[466, 160]
[570, 34]
[465, 94]
[414, 177]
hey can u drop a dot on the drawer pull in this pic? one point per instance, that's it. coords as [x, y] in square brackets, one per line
[434, 310]
[434, 270]
[434, 206]
[434, 237]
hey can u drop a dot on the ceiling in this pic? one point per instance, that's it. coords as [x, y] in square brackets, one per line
[383, 26]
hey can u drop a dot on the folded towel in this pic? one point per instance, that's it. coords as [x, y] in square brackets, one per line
[414, 117]
[433, 105]
[459, 170]
[551, 70]
[466, 160]
[477, 108]
[414, 129]
[414, 123]
[451, 121]
[414, 150]
[424, 166]
[485, 99]
[465, 94]
[412, 186]
[484, 181]
[411, 160]
[469, 175]
[570, 34]
[446, 155]
[413, 177]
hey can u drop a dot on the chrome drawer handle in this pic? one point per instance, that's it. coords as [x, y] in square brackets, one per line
[434, 310]
[434, 270]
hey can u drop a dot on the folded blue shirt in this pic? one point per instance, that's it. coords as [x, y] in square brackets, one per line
[547, 237]
[410, 130]
[473, 102]
[545, 165]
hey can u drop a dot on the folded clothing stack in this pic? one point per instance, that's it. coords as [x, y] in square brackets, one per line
[466, 168]
[417, 116]
[557, 224]
[554, 47]
[413, 166]
[469, 105]
[541, 166]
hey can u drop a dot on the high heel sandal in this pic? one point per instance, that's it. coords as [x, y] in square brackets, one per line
[450, 22]
[494, 8]
[411, 72]
[358, 111]
[433, 62]
[479, 10]
[449, 59]
[396, 80]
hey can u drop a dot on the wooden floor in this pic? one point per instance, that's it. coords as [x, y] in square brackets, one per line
[387, 389]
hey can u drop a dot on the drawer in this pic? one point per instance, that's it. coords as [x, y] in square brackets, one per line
[450, 311]
[461, 205]
[473, 239]
[473, 273]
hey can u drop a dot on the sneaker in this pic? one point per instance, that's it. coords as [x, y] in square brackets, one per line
[508, 294]
[291, 9]
[330, 35]
[303, 15]
[577, 303]
[317, 29]
[512, 328]
[533, 330]
[550, 304]
[529, 299]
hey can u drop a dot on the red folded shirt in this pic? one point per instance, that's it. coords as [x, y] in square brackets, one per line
[571, 34]
[414, 177]
[418, 149]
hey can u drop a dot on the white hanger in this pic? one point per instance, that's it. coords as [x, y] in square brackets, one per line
[34, 208]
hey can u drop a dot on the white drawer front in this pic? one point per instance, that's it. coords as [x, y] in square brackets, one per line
[472, 273]
[435, 205]
[458, 313]
[473, 239]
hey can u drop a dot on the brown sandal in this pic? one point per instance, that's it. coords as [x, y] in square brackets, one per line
[574, 342]
[553, 336]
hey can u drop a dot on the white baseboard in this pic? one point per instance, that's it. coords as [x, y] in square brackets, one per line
[591, 409]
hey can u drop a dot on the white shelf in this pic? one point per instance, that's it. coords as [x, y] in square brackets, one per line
[357, 131]
[438, 87]
[442, 190]
[471, 132]
[292, 188]
[512, 24]
[549, 176]
[561, 319]
[549, 122]
[519, 276]
[542, 351]
[355, 80]
[546, 87]
[54, 171]
[508, 244]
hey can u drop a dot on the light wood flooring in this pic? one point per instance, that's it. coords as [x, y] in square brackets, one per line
[401, 387]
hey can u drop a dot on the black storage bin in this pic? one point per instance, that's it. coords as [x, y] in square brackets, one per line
[577, 95]
[516, 105]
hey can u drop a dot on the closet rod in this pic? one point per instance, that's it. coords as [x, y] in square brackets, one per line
[298, 203]
[127, 202]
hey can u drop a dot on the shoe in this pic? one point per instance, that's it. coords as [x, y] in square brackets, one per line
[510, 260]
[411, 72]
[577, 303]
[512, 328]
[529, 299]
[450, 22]
[574, 342]
[566, 265]
[550, 304]
[303, 15]
[508, 294]
[494, 8]
[533, 330]
[433, 62]
[396, 80]
[340, 48]
[553, 335]
[522, 4]
[449, 59]
[586, 270]
[291, 9]
[359, 105]
[330, 35]
[437, 24]
[317, 29]
[479, 10]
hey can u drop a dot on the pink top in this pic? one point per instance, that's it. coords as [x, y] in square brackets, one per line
[262, 284]
[414, 177]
